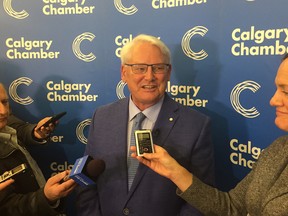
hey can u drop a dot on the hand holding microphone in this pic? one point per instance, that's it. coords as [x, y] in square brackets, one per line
[54, 189]
[86, 170]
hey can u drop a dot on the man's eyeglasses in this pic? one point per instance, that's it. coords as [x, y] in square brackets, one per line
[142, 68]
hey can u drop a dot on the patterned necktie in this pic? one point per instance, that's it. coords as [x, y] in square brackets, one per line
[132, 162]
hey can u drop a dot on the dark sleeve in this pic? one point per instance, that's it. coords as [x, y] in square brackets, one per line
[30, 204]
[24, 130]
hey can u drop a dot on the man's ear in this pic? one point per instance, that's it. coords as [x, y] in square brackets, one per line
[123, 73]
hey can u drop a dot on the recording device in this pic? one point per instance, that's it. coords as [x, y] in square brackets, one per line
[53, 119]
[144, 142]
[8, 174]
[86, 170]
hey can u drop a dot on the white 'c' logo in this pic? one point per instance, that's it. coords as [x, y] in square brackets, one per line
[235, 95]
[10, 11]
[127, 11]
[198, 30]
[120, 89]
[80, 130]
[13, 90]
[76, 47]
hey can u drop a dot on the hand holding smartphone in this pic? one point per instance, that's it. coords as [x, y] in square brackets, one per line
[53, 119]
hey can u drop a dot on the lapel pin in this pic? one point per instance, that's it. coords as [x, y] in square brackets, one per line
[170, 119]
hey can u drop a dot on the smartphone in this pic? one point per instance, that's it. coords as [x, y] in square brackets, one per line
[8, 174]
[53, 119]
[144, 142]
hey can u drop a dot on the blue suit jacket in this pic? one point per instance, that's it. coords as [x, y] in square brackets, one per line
[183, 132]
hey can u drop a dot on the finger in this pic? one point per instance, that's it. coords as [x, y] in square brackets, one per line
[133, 148]
[144, 161]
[6, 183]
[68, 185]
[149, 156]
[158, 148]
[68, 191]
[134, 155]
[58, 177]
[41, 122]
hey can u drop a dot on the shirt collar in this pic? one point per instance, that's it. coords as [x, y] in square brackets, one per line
[151, 112]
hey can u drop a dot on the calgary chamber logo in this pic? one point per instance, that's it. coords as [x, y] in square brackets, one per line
[23, 48]
[235, 96]
[58, 91]
[125, 10]
[13, 90]
[198, 30]
[7, 4]
[76, 47]
[159, 4]
[80, 130]
[257, 42]
[66, 7]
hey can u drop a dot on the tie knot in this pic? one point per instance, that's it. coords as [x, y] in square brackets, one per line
[139, 118]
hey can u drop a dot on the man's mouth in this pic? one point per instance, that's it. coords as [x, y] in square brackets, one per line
[149, 86]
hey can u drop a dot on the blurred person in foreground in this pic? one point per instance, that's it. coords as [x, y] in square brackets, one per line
[184, 132]
[29, 194]
[263, 192]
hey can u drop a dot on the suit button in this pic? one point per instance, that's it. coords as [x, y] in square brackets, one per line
[126, 211]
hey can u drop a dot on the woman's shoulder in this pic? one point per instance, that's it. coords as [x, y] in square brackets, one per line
[277, 147]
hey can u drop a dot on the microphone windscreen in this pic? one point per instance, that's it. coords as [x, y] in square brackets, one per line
[86, 170]
[94, 168]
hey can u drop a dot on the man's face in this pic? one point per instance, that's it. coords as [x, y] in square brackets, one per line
[280, 98]
[146, 89]
[4, 107]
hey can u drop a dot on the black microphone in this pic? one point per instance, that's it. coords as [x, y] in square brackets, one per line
[86, 170]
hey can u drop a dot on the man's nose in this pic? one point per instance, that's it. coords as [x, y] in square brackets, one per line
[276, 99]
[149, 73]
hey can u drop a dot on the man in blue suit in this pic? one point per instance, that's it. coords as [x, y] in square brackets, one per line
[183, 132]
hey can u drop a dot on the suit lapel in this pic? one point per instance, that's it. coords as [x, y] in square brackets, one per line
[167, 118]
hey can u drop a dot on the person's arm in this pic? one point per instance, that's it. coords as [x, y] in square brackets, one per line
[205, 198]
[30, 133]
[162, 163]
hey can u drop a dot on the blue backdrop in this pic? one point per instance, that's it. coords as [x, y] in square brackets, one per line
[63, 55]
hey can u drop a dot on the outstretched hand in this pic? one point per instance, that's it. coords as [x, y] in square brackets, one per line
[160, 161]
[55, 188]
[165, 165]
